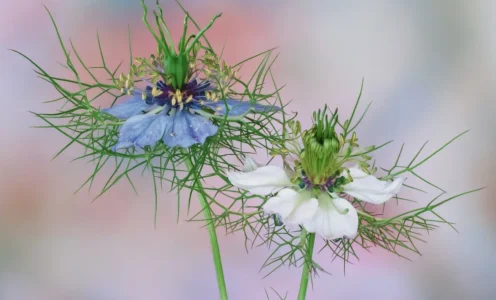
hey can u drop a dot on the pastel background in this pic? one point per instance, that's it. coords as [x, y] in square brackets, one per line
[429, 69]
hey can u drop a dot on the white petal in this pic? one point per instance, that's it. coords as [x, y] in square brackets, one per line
[283, 204]
[304, 211]
[334, 220]
[250, 164]
[294, 208]
[262, 181]
[368, 188]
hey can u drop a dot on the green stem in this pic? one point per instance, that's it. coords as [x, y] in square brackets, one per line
[214, 244]
[305, 275]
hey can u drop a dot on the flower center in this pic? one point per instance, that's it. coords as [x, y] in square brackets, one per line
[163, 94]
[331, 184]
[308, 185]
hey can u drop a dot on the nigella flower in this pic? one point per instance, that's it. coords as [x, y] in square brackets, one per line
[313, 207]
[164, 113]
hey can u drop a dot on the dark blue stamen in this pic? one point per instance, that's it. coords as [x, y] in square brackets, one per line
[323, 187]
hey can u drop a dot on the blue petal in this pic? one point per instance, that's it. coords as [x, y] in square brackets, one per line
[125, 110]
[141, 130]
[238, 107]
[154, 132]
[188, 129]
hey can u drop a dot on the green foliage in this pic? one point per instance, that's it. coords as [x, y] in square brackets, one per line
[279, 296]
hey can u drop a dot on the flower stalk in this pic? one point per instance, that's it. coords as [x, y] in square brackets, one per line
[214, 243]
[305, 274]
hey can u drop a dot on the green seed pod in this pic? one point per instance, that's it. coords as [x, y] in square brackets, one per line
[321, 148]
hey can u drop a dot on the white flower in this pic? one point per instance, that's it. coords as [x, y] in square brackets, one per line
[329, 217]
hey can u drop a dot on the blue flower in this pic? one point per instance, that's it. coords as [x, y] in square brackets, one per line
[176, 123]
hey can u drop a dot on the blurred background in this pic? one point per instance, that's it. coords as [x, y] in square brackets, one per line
[429, 69]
